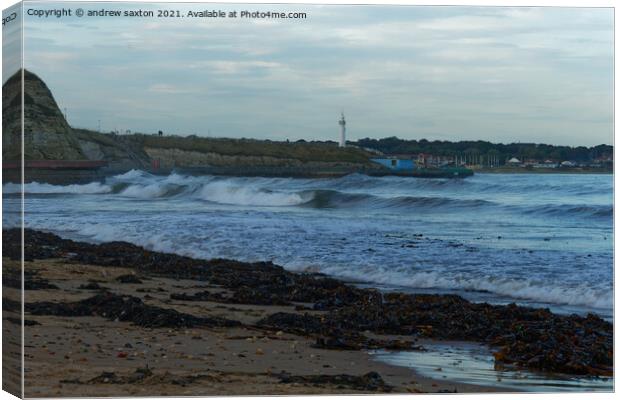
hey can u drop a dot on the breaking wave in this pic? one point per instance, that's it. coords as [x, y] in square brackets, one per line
[353, 191]
[515, 288]
[336, 199]
[133, 174]
[568, 210]
[429, 235]
[225, 192]
[151, 191]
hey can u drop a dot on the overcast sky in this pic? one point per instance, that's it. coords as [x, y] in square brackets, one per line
[449, 73]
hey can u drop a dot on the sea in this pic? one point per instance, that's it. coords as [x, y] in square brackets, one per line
[543, 240]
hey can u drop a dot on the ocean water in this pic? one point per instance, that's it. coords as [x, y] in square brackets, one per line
[541, 240]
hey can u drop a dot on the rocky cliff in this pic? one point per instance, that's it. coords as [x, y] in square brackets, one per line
[47, 135]
[121, 152]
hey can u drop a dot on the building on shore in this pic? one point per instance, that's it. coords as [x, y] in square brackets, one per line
[568, 164]
[546, 164]
[431, 160]
[396, 164]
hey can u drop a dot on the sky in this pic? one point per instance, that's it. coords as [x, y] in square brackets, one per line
[11, 41]
[541, 74]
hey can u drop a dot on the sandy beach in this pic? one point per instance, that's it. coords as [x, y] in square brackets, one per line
[91, 356]
[118, 320]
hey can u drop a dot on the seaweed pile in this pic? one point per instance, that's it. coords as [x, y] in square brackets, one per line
[126, 308]
[12, 277]
[143, 376]
[129, 278]
[242, 295]
[532, 338]
[371, 381]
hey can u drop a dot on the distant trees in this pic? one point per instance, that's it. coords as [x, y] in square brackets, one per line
[501, 152]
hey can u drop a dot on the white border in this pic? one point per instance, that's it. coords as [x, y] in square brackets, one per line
[502, 3]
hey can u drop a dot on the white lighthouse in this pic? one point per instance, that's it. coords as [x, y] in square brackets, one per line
[342, 123]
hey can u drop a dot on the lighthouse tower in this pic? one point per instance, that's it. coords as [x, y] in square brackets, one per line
[342, 123]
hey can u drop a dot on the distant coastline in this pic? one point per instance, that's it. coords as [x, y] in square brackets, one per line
[48, 138]
[565, 171]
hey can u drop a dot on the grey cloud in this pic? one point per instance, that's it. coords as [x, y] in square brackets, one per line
[500, 74]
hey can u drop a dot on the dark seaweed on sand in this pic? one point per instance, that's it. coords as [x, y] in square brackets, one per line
[126, 308]
[532, 338]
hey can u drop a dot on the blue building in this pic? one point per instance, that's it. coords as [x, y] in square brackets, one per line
[396, 164]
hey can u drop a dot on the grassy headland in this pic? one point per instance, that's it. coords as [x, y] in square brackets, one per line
[302, 151]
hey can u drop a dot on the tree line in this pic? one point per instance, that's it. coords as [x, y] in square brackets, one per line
[499, 151]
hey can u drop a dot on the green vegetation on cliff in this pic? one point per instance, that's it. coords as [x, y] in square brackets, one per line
[302, 151]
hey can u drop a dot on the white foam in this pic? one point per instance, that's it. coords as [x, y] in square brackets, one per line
[131, 175]
[518, 289]
[46, 188]
[226, 192]
[161, 242]
[177, 179]
[151, 191]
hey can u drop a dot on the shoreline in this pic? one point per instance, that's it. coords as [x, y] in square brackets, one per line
[146, 320]
[64, 177]
[544, 171]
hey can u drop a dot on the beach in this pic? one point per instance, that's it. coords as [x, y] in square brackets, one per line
[115, 319]
[92, 356]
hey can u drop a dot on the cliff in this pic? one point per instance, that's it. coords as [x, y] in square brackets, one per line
[121, 152]
[47, 135]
